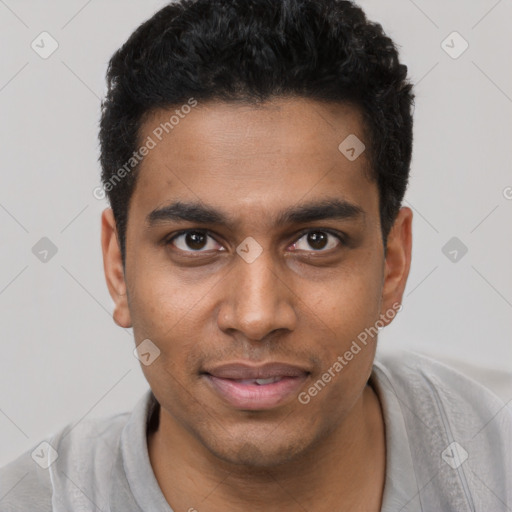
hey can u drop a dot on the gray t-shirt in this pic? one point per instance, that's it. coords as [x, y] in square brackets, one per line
[449, 448]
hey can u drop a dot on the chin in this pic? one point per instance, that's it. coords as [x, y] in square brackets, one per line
[258, 452]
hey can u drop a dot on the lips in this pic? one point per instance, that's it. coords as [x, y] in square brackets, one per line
[255, 387]
[260, 382]
[237, 371]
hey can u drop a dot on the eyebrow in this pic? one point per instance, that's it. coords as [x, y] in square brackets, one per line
[331, 208]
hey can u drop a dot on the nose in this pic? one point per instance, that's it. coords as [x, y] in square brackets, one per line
[257, 300]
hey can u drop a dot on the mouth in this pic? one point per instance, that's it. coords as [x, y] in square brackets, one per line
[256, 387]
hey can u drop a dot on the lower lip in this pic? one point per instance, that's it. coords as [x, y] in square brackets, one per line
[254, 396]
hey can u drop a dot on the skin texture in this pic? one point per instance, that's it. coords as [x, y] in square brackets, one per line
[297, 303]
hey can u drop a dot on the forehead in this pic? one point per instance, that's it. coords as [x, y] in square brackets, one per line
[253, 159]
[295, 125]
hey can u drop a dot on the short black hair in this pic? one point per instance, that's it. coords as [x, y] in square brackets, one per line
[252, 51]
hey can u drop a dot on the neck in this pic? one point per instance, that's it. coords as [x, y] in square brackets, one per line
[343, 471]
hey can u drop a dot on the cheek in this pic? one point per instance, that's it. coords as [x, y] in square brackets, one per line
[171, 310]
[164, 301]
[347, 303]
[346, 311]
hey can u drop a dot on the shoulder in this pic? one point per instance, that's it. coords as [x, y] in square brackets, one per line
[24, 486]
[459, 431]
[428, 386]
[28, 482]
[418, 375]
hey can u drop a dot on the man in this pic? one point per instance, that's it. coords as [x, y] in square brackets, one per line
[255, 154]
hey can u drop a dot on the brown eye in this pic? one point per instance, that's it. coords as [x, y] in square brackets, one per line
[318, 241]
[193, 241]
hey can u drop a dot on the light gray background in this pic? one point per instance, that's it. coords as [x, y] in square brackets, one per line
[62, 356]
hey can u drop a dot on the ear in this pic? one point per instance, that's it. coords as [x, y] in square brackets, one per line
[113, 267]
[397, 264]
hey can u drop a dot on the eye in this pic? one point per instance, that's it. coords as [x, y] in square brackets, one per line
[193, 241]
[318, 241]
[201, 241]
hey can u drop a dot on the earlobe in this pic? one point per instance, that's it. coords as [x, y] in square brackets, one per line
[113, 268]
[397, 263]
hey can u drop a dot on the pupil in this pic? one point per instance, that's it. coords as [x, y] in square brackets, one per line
[195, 240]
[317, 240]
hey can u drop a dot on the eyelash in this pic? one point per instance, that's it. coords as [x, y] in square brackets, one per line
[340, 237]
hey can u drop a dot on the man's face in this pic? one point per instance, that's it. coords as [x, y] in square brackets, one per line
[254, 290]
